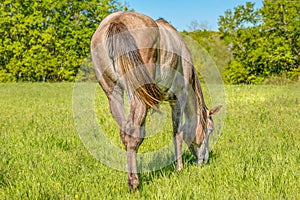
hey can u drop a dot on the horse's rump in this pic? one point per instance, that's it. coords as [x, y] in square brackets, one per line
[126, 56]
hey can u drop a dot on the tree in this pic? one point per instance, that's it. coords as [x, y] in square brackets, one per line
[282, 23]
[197, 26]
[47, 40]
[211, 43]
[265, 42]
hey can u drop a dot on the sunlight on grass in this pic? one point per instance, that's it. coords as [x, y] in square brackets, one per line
[42, 156]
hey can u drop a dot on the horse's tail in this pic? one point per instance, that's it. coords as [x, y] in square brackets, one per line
[199, 96]
[123, 49]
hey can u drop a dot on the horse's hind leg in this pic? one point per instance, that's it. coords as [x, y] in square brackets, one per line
[133, 137]
[116, 106]
[131, 131]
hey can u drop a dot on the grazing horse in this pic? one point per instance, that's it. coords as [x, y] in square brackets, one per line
[150, 61]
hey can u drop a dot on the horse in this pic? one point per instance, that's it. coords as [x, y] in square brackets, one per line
[149, 61]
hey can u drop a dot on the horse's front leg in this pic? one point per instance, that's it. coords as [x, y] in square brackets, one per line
[134, 136]
[203, 151]
[177, 132]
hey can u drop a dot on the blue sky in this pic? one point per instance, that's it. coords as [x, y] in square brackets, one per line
[181, 13]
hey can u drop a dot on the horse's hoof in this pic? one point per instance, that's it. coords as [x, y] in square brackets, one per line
[133, 185]
[200, 162]
[179, 168]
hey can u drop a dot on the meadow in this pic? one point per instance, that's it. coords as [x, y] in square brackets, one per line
[42, 156]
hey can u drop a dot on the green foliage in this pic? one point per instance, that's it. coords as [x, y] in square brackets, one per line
[47, 40]
[210, 42]
[42, 156]
[236, 74]
[264, 42]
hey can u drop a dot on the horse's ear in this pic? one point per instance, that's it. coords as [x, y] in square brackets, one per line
[214, 110]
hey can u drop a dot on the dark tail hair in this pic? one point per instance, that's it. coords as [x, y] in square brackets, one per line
[123, 49]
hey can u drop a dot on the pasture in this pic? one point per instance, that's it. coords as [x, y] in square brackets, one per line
[42, 156]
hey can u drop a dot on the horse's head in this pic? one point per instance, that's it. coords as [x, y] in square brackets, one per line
[205, 127]
[210, 123]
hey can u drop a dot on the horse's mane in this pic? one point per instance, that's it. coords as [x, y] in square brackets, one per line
[202, 111]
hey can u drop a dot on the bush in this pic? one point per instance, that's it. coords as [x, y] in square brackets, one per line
[48, 40]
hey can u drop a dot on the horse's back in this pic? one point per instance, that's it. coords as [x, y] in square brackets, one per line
[143, 28]
[175, 59]
[172, 41]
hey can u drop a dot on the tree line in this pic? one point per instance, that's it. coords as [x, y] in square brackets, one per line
[264, 42]
[47, 40]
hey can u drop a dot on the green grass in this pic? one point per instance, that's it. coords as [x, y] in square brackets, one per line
[42, 156]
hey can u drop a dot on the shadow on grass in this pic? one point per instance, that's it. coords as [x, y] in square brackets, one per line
[147, 178]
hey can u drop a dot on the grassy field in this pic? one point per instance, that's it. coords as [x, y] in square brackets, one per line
[43, 157]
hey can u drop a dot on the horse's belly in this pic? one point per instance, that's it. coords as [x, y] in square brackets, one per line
[170, 81]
